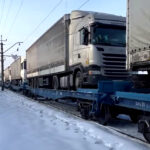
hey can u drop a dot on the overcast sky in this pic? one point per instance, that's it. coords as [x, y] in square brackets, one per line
[27, 20]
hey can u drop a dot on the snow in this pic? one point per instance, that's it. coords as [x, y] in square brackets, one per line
[124, 123]
[29, 125]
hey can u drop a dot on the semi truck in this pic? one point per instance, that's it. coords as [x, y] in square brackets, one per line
[16, 72]
[78, 50]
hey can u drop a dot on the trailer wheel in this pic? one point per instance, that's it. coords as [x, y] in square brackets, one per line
[78, 106]
[78, 80]
[104, 115]
[55, 83]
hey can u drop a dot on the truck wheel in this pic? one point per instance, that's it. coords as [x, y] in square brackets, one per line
[78, 80]
[104, 115]
[55, 83]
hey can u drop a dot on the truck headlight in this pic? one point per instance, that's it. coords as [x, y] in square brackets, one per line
[94, 72]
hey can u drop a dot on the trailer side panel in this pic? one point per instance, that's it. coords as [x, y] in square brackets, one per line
[16, 69]
[138, 32]
[47, 55]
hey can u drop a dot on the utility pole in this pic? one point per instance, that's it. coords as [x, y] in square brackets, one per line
[2, 64]
[2, 58]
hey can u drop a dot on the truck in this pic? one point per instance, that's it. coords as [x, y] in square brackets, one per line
[16, 72]
[78, 50]
[138, 35]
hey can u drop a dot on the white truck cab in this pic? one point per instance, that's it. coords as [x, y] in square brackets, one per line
[97, 44]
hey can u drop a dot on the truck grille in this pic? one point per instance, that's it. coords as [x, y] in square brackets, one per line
[114, 65]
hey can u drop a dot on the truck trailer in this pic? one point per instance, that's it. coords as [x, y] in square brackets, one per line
[79, 49]
[7, 75]
[16, 72]
[138, 42]
[138, 35]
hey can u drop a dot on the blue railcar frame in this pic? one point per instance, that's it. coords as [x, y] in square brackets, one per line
[113, 93]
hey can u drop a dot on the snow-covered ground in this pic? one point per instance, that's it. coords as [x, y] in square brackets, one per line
[29, 125]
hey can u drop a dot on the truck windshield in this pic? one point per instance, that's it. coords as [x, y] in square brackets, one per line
[111, 36]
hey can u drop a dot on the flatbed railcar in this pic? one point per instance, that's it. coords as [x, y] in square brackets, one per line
[107, 101]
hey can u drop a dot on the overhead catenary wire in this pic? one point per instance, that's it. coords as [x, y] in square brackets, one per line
[51, 11]
[83, 4]
[66, 6]
[15, 18]
[7, 14]
[2, 8]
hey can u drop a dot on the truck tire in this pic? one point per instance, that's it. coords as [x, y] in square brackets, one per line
[55, 83]
[78, 80]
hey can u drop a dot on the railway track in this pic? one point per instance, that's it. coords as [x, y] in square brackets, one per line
[121, 126]
[113, 125]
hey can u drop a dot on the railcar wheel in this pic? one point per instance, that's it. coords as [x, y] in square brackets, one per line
[147, 136]
[84, 113]
[114, 114]
[144, 127]
[134, 118]
[78, 106]
[104, 115]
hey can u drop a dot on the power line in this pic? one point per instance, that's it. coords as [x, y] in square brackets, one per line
[3, 4]
[18, 11]
[52, 10]
[66, 6]
[7, 14]
[83, 4]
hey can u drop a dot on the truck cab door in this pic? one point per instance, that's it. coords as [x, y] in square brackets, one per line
[80, 50]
